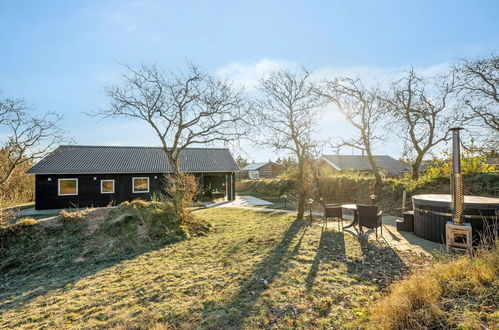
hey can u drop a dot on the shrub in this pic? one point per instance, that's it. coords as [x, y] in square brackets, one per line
[469, 165]
[268, 187]
[19, 188]
[138, 224]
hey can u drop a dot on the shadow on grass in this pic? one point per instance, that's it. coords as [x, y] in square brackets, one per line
[392, 235]
[331, 247]
[23, 278]
[380, 263]
[265, 272]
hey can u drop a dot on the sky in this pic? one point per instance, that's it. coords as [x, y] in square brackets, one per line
[58, 55]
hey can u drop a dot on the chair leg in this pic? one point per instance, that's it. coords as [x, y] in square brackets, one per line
[376, 231]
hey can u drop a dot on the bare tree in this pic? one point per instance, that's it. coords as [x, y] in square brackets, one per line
[182, 109]
[359, 104]
[419, 110]
[478, 87]
[28, 136]
[286, 112]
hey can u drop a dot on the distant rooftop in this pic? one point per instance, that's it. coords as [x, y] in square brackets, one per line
[256, 166]
[361, 163]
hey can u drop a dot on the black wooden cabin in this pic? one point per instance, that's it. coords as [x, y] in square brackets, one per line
[91, 176]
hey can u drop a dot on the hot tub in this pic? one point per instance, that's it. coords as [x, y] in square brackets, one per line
[432, 211]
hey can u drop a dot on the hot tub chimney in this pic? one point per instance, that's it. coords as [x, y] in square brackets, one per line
[456, 183]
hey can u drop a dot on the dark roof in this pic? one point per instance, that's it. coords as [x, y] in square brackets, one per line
[361, 163]
[256, 166]
[77, 159]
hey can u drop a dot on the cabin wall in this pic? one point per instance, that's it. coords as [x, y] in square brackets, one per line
[89, 193]
[270, 171]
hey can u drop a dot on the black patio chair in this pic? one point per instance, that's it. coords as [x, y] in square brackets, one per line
[369, 217]
[333, 211]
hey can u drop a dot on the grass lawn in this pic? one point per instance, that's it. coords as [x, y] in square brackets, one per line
[253, 270]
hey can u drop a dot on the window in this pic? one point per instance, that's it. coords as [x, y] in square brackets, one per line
[68, 187]
[254, 174]
[140, 185]
[107, 186]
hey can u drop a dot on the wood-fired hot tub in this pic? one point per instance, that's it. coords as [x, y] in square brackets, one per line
[432, 211]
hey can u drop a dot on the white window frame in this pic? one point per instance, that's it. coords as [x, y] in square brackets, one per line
[59, 187]
[106, 192]
[254, 174]
[148, 184]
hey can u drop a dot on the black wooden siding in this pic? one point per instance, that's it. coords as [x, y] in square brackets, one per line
[431, 226]
[89, 190]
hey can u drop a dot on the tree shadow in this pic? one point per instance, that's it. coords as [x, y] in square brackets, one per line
[392, 235]
[265, 272]
[331, 247]
[21, 283]
[380, 263]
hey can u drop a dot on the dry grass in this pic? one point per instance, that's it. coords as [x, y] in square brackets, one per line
[253, 270]
[68, 216]
[460, 293]
[138, 203]
[26, 222]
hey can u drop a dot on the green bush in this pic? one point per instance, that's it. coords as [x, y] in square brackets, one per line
[268, 187]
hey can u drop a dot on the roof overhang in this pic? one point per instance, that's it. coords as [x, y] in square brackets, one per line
[333, 165]
[134, 172]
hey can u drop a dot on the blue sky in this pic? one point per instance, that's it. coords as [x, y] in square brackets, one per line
[58, 54]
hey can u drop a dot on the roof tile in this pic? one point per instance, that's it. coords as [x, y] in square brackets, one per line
[78, 159]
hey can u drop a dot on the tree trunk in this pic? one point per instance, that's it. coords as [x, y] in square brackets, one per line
[301, 189]
[415, 167]
[375, 170]
[178, 188]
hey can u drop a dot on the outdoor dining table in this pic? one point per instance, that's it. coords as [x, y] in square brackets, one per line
[353, 208]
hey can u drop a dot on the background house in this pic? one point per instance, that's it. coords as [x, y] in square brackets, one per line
[387, 165]
[85, 176]
[261, 170]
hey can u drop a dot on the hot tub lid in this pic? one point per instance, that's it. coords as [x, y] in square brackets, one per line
[479, 202]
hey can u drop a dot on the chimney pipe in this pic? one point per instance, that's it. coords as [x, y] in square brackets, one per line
[456, 184]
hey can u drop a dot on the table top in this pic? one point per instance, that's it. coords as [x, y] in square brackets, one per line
[349, 206]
